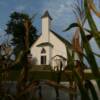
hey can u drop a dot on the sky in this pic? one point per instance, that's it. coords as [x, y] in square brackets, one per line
[60, 10]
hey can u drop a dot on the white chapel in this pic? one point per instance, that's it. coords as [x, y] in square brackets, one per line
[49, 48]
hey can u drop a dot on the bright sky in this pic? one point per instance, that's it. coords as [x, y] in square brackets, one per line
[60, 11]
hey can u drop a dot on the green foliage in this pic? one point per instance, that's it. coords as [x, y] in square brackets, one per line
[89, 56]
[94, 30]
[89, 86]
[75, 77]
[16, 28]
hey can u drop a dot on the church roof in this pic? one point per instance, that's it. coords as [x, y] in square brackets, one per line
[62, 39]
[58, 36]
[46, 14]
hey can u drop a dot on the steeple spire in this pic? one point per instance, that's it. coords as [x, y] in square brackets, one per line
[46, 14]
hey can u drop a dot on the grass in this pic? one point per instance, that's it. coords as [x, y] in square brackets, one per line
[44, 75]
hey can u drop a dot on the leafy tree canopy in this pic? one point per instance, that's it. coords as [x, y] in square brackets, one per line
[15, 27]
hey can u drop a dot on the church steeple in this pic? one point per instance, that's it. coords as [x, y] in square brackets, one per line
[46, 14]
[46, 25]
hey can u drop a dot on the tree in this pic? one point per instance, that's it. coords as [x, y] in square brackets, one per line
[24, 34]
[17, 29]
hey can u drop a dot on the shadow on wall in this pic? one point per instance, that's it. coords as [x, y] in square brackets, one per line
[34, 61]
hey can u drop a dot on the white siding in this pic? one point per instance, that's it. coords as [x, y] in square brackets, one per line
[59, 47]
[36, 51]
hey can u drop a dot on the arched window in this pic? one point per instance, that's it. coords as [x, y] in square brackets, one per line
[43, 56]
[43, 50]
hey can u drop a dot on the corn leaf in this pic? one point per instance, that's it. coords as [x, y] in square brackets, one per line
[90, 87]
[90, 57]
[84, 93]
[92, 24]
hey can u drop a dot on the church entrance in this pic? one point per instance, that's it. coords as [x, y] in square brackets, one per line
[43, 60]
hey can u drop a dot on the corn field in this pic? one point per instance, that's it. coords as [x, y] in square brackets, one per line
[77, 86]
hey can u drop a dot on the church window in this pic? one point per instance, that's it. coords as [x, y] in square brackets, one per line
[43, 50]
[43, 56]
